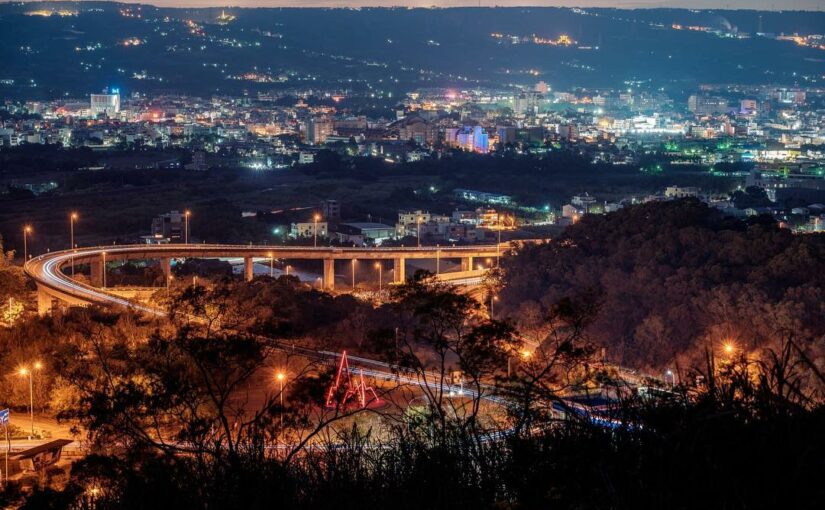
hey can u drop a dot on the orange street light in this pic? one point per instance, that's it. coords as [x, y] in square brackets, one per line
[353, 274]
[380, 269]
[27, 229]
[271, 264]
[72, 218]
[23, 372]
[315, 229]
[280, 376]
[186, 215]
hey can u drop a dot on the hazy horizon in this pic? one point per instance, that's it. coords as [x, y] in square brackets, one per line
[768, 5]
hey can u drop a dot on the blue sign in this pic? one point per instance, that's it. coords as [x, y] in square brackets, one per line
[4, 417]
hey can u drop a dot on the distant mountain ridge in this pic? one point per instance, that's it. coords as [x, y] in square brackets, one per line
[69, 48]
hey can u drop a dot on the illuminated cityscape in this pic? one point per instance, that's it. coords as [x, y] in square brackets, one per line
[430, 257]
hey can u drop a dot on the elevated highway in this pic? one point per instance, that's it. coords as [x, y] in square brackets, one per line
[54, 286]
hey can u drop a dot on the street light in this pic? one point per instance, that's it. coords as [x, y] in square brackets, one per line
[26, 231]
[186, 215]
[103, 254]
[23, 372]
[315, 229]
[498, 244]
[380, 269]
[353, 274]
[418, 234]
[287, 269]
[271, 264]
[72, 219]
[280, 376]
[493, 299]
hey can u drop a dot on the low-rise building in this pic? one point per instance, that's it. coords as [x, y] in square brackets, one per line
[308, 229]
[364, 233]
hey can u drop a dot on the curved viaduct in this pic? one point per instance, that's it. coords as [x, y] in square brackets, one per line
[53, 284]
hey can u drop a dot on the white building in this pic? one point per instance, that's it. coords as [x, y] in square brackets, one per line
[107, 104]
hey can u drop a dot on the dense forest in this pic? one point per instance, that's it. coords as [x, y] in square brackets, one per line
[674, 278]
[741, 441]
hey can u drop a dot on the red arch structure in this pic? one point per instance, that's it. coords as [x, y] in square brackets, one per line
[356, 388]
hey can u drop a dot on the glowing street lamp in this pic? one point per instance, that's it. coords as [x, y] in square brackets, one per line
[315, 228]
[418, 234]
[380, 269]
[186, 215]
[271, 264]
[353, 274]
[280, 376]
[26, 231]
[72, 219]
[23, 372]
[103, 254]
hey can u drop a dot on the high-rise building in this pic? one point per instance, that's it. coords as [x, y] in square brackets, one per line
[169, 226]
[473, 139]
[418, 130]
[568, 131]
[707, 105]
[317, 130]
[748, 106]
[526, 103]
[106, 104]
[506, 135]
[331, 210]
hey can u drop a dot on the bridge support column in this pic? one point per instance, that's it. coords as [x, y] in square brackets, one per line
[467, 264]
[399, 273]
[166, 267]
[248, 272]
[44, 302]
[96, 273]
[329, 274]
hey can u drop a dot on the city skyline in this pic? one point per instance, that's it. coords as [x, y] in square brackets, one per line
[766, 5]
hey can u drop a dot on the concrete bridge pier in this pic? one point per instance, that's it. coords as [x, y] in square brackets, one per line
[399, 270]
[96, 272]
[329, 274]
[45, 303]
[467, 264]
[248, 272]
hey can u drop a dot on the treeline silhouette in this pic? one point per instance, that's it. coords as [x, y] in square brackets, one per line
[672, 278]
